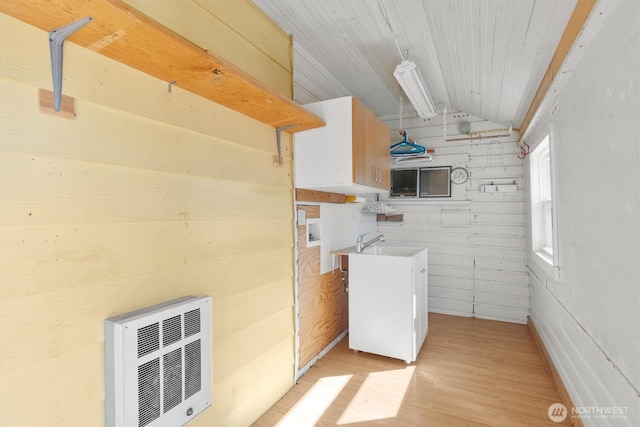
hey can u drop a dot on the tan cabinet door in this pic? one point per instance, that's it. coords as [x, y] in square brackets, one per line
[371, 164]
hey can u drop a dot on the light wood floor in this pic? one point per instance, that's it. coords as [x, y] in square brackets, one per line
[470, 372]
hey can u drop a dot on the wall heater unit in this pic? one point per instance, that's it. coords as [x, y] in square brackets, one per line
[158, 364]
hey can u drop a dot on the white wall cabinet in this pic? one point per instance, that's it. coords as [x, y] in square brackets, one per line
[349, 155]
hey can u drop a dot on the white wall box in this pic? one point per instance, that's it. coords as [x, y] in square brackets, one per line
[158, 364]
[350, 155]
[314, 232]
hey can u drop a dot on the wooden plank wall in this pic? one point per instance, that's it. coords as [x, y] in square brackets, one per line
[323, 302]
[476, 242]
[146, 195]
[246, 39]
[589, 316]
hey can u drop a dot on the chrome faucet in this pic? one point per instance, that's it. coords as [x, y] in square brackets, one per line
[360, 245]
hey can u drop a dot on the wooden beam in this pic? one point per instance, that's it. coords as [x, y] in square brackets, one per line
[123, 34]
[390, 218]
[303, 195]
[574, 26]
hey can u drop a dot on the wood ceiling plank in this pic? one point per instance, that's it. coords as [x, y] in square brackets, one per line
[125, 35]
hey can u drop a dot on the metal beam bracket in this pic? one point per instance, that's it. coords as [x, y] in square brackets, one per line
[56, 40]
[278, 132]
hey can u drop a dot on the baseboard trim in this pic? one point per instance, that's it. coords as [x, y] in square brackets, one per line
[562, 390]
[320, 355]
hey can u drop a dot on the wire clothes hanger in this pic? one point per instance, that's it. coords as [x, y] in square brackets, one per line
[406, 147]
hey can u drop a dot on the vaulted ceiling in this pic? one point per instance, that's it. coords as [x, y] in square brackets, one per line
[483, 57]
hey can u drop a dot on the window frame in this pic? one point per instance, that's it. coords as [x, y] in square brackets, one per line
[419, 193]
[544, 245]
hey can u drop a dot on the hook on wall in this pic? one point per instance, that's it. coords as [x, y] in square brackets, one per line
[56, 41]
[523, 152]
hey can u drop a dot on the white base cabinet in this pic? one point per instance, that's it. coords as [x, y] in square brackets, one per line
[388, 300]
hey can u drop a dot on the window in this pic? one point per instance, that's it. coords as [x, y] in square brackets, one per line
[421, 182]
[543, 222]
[404, 183]
[435, 182]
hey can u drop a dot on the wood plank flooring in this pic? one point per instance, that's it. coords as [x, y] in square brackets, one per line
[470, 372]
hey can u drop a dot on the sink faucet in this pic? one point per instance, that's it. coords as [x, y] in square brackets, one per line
[360, 245]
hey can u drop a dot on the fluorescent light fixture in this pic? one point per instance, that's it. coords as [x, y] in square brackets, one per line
[409, 78]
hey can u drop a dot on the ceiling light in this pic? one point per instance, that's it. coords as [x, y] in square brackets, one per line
[409, 78]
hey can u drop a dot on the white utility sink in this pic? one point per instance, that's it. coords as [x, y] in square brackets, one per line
[388, 300]
[391, 250]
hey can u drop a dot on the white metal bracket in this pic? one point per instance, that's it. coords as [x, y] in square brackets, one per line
[278, 132]
[56, 40]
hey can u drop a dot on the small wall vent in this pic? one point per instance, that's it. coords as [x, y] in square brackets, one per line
[158, 364]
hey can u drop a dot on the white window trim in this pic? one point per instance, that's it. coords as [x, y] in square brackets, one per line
[542, 258]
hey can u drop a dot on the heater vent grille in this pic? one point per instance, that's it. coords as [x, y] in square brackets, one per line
[148, 339]
[158, 364]
[192, 370]
[149, 392]
[172, 379]
[171, 330]
[191, 322]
